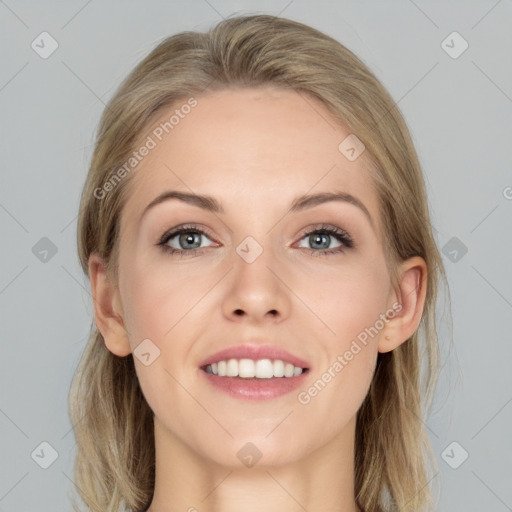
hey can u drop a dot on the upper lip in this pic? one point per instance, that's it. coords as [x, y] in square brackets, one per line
[248, 351]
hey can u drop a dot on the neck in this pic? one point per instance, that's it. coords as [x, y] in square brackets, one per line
[186, 481]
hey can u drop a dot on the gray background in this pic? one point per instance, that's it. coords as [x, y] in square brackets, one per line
[459, 111]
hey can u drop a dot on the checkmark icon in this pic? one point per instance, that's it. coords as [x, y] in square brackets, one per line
[44, 45]
[249, 249]
[454, 455]
[454, 45]
[44, 455]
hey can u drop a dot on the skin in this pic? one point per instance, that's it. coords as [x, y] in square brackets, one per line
[254, 150]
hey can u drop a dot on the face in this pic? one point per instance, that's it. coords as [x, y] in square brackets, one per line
[302, 285]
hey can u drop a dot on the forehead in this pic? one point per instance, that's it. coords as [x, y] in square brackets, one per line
[248, 147]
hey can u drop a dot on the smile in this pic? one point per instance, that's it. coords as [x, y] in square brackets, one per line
[249, 368]
[254, 371]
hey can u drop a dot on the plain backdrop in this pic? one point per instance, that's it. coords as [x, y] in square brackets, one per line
[448, 67]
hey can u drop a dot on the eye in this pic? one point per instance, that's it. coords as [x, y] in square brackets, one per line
[319, 240]
[184, 239]
[189, 240]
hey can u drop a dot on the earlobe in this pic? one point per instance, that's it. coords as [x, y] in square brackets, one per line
[107, 308]
[411, 300]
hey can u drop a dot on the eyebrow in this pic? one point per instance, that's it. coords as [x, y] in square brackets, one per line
[301, 203]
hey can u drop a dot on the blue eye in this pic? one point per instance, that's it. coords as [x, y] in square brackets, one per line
[186, 240]
[320, 239]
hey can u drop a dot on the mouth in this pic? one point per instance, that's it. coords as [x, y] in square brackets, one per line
[254, 369]
[254, 372]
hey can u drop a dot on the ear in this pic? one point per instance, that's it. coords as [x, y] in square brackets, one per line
[108, 311]
[408, 303]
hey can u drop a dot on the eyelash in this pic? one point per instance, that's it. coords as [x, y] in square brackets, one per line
[340, 235]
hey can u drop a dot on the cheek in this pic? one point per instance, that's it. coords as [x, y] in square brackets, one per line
[162, 304]
[338, 386]
[156, 297]
[335, 394]
[351, 301]
[158, 302]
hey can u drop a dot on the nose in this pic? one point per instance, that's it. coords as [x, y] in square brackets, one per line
[256, 291]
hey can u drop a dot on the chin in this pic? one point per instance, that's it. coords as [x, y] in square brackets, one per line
[255, 451]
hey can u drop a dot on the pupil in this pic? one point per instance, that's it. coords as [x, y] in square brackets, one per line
[318, 239]
[188, 238]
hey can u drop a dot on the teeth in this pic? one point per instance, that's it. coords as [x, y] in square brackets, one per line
[288, 370]
[278, 368]
[264, 369]
[232, 368]
[248, 368]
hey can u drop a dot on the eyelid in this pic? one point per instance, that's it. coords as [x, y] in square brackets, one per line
[185, 227]
[330, 229]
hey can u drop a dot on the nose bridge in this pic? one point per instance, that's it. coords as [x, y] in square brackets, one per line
[256, 289]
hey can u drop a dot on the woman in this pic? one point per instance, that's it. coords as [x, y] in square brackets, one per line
[256, 232]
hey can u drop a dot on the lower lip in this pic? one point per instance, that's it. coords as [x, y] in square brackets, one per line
[255, 389]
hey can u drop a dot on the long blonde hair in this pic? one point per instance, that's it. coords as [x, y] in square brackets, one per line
[113, 424]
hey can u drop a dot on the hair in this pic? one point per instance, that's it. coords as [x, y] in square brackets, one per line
[113, 424]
